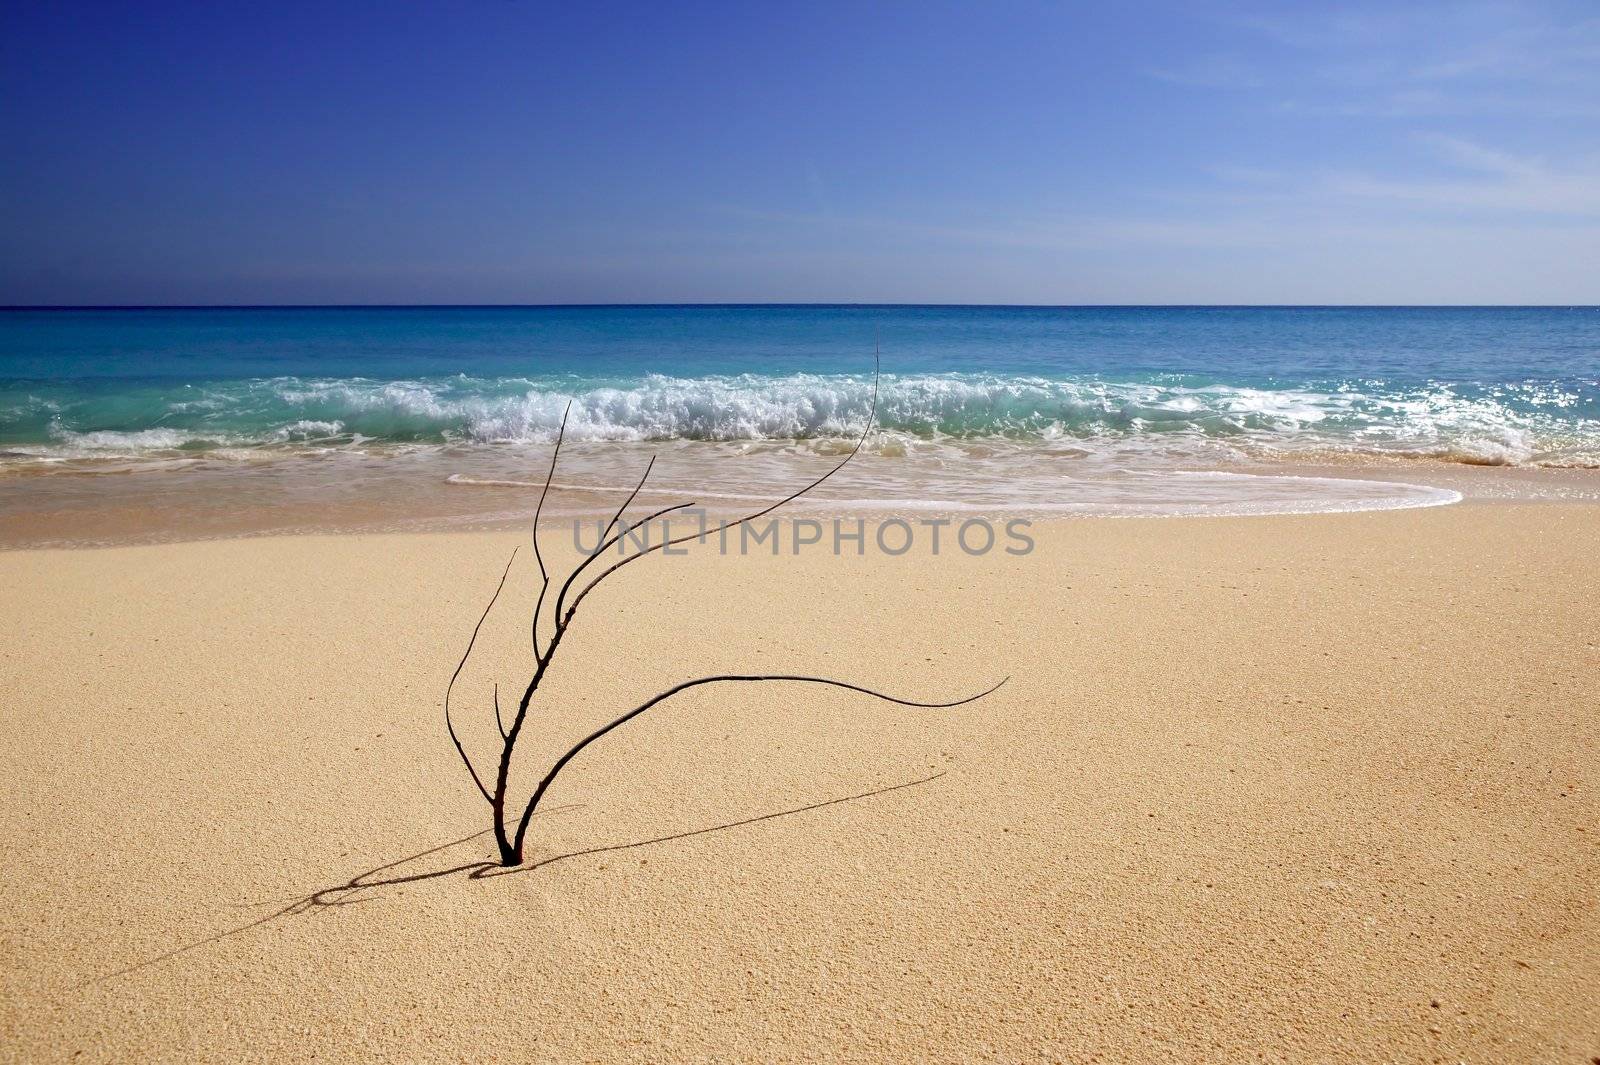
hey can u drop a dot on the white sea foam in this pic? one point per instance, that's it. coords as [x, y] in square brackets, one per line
[308, 429]
[1436, 422]
[134, 441]
[1019, 483]
[1529, 424]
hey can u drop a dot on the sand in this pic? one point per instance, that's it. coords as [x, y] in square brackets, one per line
[1294, 788]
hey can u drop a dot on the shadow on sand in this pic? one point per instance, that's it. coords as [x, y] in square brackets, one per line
[362, 886]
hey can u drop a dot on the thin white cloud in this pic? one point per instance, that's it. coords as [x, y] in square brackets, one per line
[1246, 175]
[1428, 61]
[1473, 156]
[1502, 182]
[1211, 72]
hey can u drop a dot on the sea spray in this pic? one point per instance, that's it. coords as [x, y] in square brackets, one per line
[1519, 424]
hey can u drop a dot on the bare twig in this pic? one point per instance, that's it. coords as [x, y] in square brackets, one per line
[511, 846]
[763, 512]
[544, 578]
[572, 752]
[605, 543]
[462, 665]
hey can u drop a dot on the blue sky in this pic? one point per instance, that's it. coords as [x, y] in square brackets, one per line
[515, 152]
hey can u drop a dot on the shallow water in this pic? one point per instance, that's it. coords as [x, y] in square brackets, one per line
[429, 490]
[211, 422]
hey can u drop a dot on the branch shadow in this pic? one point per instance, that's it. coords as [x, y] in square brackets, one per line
[495, 870]
[359, 888]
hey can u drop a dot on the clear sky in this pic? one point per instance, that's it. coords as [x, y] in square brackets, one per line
[503, 151]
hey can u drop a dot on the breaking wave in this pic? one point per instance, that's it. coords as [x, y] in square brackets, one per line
[1533, 423]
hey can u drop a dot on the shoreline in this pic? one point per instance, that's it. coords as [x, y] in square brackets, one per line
[311, 498]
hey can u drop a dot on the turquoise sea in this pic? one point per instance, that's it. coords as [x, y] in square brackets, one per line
[1072, 408]
[1518, 385]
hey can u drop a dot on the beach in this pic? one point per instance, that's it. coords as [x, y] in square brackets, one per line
[1296, 787]
[1053, 533]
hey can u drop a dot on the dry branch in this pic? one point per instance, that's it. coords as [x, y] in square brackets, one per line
[511, 845]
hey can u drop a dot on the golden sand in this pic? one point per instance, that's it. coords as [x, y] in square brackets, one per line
[1297, 788]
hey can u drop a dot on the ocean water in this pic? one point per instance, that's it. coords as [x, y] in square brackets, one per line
[1082, 409]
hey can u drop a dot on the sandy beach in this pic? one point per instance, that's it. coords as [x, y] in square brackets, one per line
[1162, 622]
[1290, 788]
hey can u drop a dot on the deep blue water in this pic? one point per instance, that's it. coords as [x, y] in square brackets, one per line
[1479, 384]
[1227, 344]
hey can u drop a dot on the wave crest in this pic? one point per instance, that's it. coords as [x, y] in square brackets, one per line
[1551, 423]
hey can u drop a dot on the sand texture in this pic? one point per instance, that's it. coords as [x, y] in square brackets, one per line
[1298, 788]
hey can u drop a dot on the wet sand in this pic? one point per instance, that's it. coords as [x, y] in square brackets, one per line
[104, 503]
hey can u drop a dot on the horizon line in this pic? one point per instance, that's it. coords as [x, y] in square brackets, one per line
[25, 307]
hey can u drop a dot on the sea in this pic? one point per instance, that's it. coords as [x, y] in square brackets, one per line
[138, 424]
